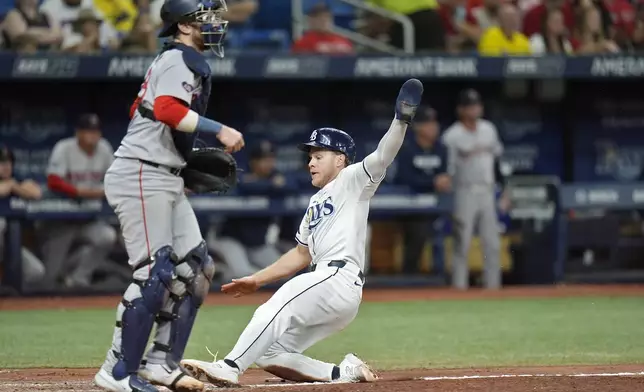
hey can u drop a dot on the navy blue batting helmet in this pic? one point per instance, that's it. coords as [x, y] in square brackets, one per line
[207, 14]
[331, 139]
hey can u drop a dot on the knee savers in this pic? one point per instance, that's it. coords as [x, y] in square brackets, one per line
[142, 301]
[195, 271]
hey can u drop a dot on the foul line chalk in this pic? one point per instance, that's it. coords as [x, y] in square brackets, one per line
[623, 374]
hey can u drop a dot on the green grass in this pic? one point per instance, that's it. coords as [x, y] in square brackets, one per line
[394, 335]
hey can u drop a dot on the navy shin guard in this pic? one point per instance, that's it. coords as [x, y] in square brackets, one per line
[139, 314]
[197, 279]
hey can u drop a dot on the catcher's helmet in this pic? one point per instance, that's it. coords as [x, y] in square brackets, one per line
[331, 139]
[205, 13]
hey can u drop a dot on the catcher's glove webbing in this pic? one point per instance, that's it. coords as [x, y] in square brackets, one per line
[209, 169]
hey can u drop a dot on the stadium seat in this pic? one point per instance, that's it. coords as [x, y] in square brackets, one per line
[251, 38]
[277, 16]
[343, 14]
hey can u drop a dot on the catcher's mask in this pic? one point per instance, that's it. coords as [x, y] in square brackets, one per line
[213, 26]
[206, 14]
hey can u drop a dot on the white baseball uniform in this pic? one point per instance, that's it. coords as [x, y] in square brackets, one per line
[314, 305]
[69, 162]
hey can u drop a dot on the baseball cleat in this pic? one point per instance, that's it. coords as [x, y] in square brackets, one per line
[176, 380]
[408, 100]
[216, 373]
[354, 369]
[133, 383]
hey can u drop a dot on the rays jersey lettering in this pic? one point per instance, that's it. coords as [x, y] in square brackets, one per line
[334, 226]
[317, 212]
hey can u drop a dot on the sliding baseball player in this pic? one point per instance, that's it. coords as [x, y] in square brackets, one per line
[331, 238]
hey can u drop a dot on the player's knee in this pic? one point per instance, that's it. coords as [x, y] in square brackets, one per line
[196, 271]
[266, 360]
[265, 313]
[156, 287]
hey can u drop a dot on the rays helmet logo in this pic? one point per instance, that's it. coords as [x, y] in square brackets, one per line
[314, 135]
[317, 212]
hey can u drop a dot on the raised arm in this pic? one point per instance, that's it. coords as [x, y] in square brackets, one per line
[376, 163]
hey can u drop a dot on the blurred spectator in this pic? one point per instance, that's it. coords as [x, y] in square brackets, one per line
[66, 14]
[481, 18]
[244, 243]
[429, 32]
[422, 166]
[505, 39]
[638, 31]
[120, 14]
[239, 11]
[622, 17]
[589, 36]
[87, 34]
[553, 38]
[32, 268]
[25, 45]
[153, 8]
[319, 38]
[24, 27]
[142, 38]
[580, 6]
[460, 34]
[76, 169]
[533, 19]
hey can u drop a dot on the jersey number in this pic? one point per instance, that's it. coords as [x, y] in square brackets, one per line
[146, 81]
[144, 85]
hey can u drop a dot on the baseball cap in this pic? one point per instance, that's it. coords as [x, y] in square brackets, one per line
[262, 150]
[469, 97]
[425, 114]
[317, 8]
[88, 121]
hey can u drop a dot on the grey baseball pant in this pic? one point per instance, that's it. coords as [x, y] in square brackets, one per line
[475, 207]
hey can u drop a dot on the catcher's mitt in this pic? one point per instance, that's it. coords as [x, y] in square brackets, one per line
[208, 170]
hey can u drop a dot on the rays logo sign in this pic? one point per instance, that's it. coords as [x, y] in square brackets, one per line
[317, 212]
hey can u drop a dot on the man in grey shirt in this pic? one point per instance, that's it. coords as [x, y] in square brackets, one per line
[473, 146]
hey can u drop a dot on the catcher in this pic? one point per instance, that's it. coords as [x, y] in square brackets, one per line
[146, 185]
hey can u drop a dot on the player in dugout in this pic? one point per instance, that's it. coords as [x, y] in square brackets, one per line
[76, 168]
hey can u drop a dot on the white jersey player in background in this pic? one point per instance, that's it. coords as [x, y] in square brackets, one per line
[172, 268]
[331, 238]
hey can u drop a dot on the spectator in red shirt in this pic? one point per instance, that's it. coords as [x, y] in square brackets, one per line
[320, 38]
[622, 15]
[459, 35]
[532, 20]
[638, 31]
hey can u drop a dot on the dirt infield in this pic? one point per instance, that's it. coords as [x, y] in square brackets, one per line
[624, 378]
[614, 378]
[370, 295]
